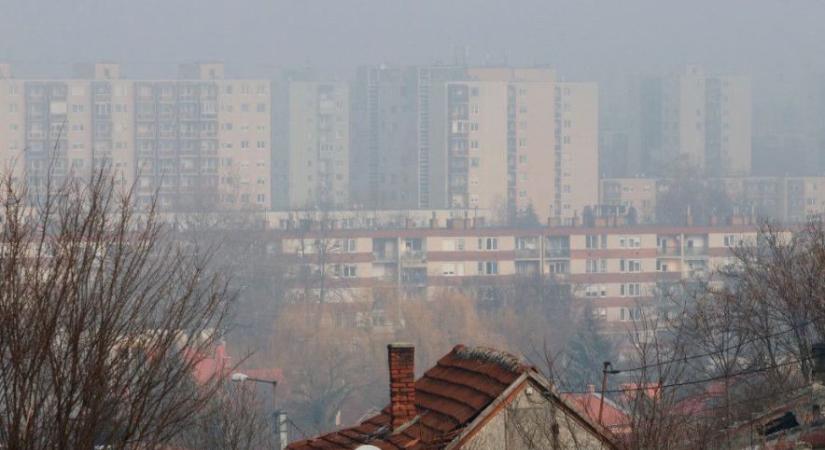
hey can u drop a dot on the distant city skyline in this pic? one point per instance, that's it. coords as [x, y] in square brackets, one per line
[577, 37]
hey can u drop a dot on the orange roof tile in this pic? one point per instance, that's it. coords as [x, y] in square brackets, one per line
[448, 397]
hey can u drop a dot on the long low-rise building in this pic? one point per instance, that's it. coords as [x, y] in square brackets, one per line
[614, 270]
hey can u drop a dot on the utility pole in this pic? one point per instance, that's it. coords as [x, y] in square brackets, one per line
[606, 370]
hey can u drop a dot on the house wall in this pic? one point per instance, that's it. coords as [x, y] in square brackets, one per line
[526, 424]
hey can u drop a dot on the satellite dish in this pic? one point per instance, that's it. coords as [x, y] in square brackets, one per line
[367, 447]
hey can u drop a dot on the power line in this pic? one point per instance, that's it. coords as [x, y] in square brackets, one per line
[738, 402]
[703, 355]
[692, 382]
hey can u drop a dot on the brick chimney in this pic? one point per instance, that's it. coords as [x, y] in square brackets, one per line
[402, 383]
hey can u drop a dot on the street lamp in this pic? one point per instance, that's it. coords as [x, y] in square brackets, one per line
[278, 417]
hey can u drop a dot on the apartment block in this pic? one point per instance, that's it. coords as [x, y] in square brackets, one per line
[467, 138]
[197, 142]
[577, 164]
[317, 145]
[503, 155]
[399, 135]
[687, 118]
[615, 271]
[245, 144]
[385, 108]
[728, 118]
[785, 199]
[638, 194]
[477, 145]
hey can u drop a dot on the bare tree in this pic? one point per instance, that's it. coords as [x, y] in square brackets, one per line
[234, 420]
[102, 321]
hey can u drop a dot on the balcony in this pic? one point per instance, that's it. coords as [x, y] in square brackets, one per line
[527, 253]
[696, 252]
[669, 252]
[414, 277]
[557, 253]
[385, 256]
[414, 257]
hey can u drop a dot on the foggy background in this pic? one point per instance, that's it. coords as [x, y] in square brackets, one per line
[580, 38]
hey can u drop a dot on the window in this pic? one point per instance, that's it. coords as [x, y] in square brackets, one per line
[349, 271]
[559, 267]
[731, 241]
[630, 314]
[595, 290]
[595, 241]
[630, 265]
[487, 243]
[261, 144]
[630, 290]
[488, 267]
[261, 107]
[630, 242]
[452, 269]
[596, 266]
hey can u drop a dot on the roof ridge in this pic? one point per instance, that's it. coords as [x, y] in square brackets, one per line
[505, 360]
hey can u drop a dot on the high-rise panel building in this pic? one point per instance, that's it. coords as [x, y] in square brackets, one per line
[198, 143]
[491, 138]
[398, 135]
[519, 140]
[12, 122]
[577, 165]
[686, 119]
[316, 151]
[728, 118]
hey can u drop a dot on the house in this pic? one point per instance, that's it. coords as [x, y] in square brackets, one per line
[614, 418]
[474, 398]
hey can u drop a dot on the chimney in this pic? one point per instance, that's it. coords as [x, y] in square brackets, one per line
[402, 383]
[818, 356]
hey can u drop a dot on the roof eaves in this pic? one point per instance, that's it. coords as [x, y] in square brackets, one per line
[487, 414]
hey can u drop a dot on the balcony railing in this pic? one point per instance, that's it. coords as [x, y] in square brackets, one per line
[696, 251]
[385, 256]
[557, 252]
[670, 251]
[527, 253]
[413, 256]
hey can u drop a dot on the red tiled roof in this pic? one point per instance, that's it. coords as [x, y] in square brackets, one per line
[613, 417]
[448, 397]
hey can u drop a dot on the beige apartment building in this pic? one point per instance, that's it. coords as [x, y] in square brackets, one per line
[311, 157]
[614, 270]
[198, 141]
[686, 118]
[12, 122]
[577, 165]
[518, 139]
[636, 193]
[784, 199]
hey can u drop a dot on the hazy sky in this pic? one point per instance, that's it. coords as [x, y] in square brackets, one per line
[576, 36]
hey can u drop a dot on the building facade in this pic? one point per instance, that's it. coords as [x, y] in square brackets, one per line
[316, 156]
[614, 270]
[686, 119]
[196, 142]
